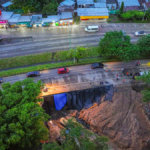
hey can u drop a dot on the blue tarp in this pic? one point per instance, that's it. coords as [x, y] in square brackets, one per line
[60, 100]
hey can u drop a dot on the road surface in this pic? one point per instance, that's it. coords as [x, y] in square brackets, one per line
[82, 76]
[56, 39]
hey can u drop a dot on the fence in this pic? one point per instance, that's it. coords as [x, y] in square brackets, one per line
[20, 11]
[113, 12]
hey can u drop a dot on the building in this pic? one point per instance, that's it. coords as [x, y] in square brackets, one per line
[111, 4]
[24, 21]
[66, 6]
[92, 13]
[92, 9]
[5, 4]
[14, 19]
[4, 17]
[129, 3]
[146, 5]
[36, 20]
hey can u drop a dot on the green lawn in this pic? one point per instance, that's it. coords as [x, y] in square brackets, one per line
[25, 60]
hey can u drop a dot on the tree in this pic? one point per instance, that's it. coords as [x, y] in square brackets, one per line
[78, 52]
[147, 14]
[144, 44]
[146, 93]
[122, 8]
[50, 8]
[21, 118]
[117, 45]
[75, 137]
[28, 9]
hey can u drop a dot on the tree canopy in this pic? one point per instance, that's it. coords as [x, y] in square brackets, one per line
[115, 44]
[132, 14]
[144, 44]
[75, 137]
[50, 8]
[36, 4]
[146, 93]
[21, 118]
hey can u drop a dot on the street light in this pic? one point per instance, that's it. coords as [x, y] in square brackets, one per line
[70, 42]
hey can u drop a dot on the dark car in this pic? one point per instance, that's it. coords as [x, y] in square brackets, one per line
[97, 65]
[63, 70]
[1, 80]
[33, 74]
[140, 33]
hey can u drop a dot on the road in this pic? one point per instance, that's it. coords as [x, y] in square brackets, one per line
[55, 39]
[82, 76]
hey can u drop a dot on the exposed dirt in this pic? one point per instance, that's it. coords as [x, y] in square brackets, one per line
[122, 120]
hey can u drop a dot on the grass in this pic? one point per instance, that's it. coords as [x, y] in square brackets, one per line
[25, 60]
[51, 66]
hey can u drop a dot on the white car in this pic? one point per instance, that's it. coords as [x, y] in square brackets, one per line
[140, 33]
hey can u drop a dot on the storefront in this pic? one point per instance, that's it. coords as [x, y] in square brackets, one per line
[14, 20]
[66, 18]
[50, 20]
[4, 16]
[36, 20]
[24, 21]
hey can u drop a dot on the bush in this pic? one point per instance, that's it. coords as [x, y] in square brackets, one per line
[63, 55]
[25, 60]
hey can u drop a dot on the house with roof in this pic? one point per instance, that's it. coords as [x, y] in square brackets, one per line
[66, 6]
[111, 4]
[146, 5]
[5, 4]
[92, 9]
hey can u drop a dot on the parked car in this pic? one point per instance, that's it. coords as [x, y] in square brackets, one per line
[140, 33]
[0, 38]
[97, 65]
[1, 80]
[33, 74]
[63, 70]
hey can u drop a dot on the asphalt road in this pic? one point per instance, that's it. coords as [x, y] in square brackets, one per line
[76, 70]
[58, 38]
[52, 44]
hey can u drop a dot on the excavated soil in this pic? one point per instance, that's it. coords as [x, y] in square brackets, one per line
[123, 120]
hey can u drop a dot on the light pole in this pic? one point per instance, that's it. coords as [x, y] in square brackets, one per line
[70, 42]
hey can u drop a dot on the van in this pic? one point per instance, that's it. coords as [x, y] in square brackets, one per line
[92, 29]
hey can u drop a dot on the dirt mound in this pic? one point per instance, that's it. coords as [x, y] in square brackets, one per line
[122, 120]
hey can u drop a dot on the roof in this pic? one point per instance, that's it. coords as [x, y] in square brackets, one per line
[14, 18]
[111, 2]
[36, 19]
[67, 3]
[127, 8]
[53, 18]
[147, 4]
[3, 1]
[100, 5]
[81, 2]
[129, 2]
[5, 15]
[142, 1]
[61, 69]
[24, 19]
[7, 4]
[92, 12]
[65, 15]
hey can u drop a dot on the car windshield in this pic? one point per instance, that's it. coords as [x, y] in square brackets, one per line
[141, 32]
[65, 69]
